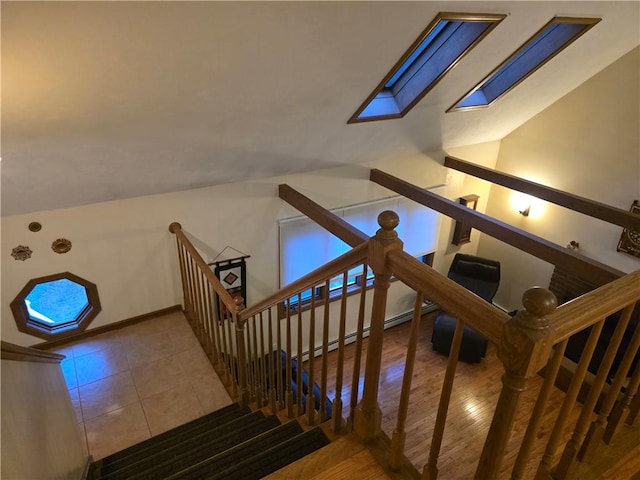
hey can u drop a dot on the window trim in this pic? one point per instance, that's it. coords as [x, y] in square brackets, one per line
[27, 324]
[383, 91]
[336, 293]
[588, 22]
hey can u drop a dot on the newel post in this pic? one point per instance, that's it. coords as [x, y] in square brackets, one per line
[524, 351]
[243, 385]
[368, 416]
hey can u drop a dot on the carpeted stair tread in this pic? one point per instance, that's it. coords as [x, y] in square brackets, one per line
[213, 420]
[273, 459]
[240, 453]
[188, 450]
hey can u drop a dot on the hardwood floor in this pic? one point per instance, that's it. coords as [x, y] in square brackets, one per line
[475, 393]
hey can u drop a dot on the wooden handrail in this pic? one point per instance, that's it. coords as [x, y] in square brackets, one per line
[583, 205]
[452, 297]
[527, 242]
[226, 298]
[10, 351]
[578, 314]
[323, 217]
[339, 265]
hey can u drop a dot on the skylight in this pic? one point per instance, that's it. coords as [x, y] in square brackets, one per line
[554, 37]
[438, 49]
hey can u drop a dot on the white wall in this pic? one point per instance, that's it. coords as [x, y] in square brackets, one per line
[41, 437]
[125, 248]
[588, 144]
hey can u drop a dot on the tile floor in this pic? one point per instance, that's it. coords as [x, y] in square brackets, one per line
[130, 384]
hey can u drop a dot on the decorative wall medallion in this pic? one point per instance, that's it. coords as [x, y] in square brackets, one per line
[61, 245]
[35, 226]
[21, 252]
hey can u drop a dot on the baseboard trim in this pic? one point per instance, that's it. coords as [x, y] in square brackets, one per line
[106, 328]
[388, 323]
[86, 474]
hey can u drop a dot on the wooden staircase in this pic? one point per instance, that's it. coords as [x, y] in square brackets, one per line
[231, 443]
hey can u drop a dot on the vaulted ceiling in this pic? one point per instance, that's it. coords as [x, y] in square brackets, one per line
[110, 100]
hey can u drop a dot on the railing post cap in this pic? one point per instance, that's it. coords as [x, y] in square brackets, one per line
[539, 301]
[388, 220]
[175, 226]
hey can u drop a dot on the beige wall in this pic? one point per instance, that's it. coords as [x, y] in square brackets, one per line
[588, 144]
[125, 248]
[41, 438]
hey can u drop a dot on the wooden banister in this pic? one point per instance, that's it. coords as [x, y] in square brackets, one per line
[450, 296]
[368, 416]
[575, 315]
[323, 217]
[10, 351]
[350, 259]
[527, 242]
[583, 205]
[524, 350]
[226, 298]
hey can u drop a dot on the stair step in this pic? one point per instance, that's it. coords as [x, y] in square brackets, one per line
[362, 466]
[276, 457]
[208, 422]
[190, 450]
[321, 460]
[240, 453]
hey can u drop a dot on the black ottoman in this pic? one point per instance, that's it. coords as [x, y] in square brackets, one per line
[473, 347]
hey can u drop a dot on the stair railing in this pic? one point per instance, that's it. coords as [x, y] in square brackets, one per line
[269, 366]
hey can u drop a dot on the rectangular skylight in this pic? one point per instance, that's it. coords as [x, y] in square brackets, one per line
[554, 37]
[438, 49]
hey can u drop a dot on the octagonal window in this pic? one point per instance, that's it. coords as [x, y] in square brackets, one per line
[57, 305]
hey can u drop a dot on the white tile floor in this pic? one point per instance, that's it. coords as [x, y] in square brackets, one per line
[130, 384]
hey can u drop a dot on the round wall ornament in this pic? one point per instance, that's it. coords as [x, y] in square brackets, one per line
[35, 226]
[61, 245]
[21, 252]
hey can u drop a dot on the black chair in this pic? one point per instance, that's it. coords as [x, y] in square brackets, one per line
[482, 277]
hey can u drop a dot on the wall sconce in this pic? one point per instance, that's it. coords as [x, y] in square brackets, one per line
[526, 205]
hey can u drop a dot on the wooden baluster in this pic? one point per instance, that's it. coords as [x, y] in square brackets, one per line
[622, 408]
[311, 400]
[257, 383]
[190, 308]
[430, 471]
[215, 326]
[634, 409]
[337, 401]
[570, 454]
[173, 228]
[399, 434]
[557, 434]
[550, 374]
[196, 300]
[357, 361]
[289, 363]
[368, 416]
[280, 383]
[249, 361]
[325, 352]
[233, 359]
[597, 429]
[299, 406]
[208, 317]
[243, 396]
[525, 348]
[222, 322]
[202, 314]
[272, 366]
[264, 392]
